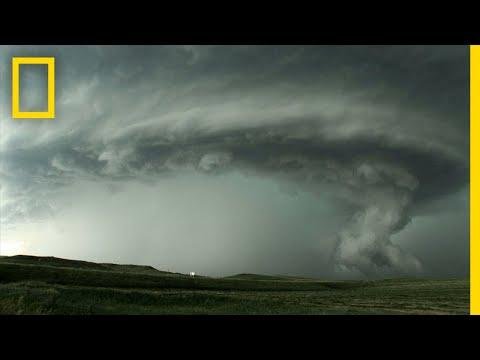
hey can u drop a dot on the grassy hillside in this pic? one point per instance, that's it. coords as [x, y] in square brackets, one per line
[47, 285]
[78, 264]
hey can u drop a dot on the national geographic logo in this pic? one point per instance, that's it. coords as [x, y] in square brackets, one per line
[17, 63]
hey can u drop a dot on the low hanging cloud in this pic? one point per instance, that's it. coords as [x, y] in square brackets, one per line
[382, 130]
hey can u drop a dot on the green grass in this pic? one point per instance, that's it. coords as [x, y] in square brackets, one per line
[45, 285]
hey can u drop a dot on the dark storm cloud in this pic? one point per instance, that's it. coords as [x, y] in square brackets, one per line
[382, 128]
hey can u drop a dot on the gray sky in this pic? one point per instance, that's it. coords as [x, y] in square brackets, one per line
[326, 161]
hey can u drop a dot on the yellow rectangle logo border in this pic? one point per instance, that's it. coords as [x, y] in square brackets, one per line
[33, 115]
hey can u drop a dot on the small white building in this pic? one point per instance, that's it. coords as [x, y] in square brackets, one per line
[192, 273]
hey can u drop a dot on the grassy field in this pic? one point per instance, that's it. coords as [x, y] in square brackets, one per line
[46, 285]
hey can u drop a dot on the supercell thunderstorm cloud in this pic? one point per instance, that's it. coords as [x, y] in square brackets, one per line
[333, 161]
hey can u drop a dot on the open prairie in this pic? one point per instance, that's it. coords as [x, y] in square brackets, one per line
[47, 285]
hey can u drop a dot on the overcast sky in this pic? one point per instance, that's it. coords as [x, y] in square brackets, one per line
[325, 161]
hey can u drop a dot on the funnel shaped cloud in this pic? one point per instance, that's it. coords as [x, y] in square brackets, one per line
[381, 131]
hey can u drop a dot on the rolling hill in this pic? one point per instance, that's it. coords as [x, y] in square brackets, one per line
[49, 285]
